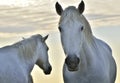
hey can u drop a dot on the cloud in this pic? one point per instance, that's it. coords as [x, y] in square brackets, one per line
[16, 29]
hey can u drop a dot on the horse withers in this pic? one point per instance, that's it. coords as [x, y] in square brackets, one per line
[88, 59]
[18, 60]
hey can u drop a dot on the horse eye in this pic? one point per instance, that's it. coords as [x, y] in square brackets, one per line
[59, 29]
[82, 28]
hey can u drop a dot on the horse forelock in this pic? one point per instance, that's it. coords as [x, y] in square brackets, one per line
[71, 15]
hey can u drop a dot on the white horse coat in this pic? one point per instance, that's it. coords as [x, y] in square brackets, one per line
[18, 60]
[88, 59]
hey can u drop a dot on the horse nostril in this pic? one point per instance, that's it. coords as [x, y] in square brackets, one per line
[67, 60]
[72, 60]
[48, 71]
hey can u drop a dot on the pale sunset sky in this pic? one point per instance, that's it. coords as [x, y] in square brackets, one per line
[23, 18]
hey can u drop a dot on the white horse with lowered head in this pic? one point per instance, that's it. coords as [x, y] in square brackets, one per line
[88, 59]
[18, 60]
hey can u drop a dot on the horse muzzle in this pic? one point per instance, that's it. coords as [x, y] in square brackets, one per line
[72, 63]
[48, 70]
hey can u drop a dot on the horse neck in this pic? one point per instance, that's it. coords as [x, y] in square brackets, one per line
[86, 56]
[87, 47]
[27, 54]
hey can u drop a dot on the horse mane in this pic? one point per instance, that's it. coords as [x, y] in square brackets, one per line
[71, 14]
[26, 48]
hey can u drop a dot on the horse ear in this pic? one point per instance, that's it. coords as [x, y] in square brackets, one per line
[59, 9]
[81, 7]
[44, 38]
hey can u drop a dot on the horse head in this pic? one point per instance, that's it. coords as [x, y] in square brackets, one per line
[72, 30]
[42, 52]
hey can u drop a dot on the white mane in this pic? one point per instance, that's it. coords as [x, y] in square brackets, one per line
[27, 47]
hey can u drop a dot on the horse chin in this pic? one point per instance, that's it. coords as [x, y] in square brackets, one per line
[72, 69]
[47, 72]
